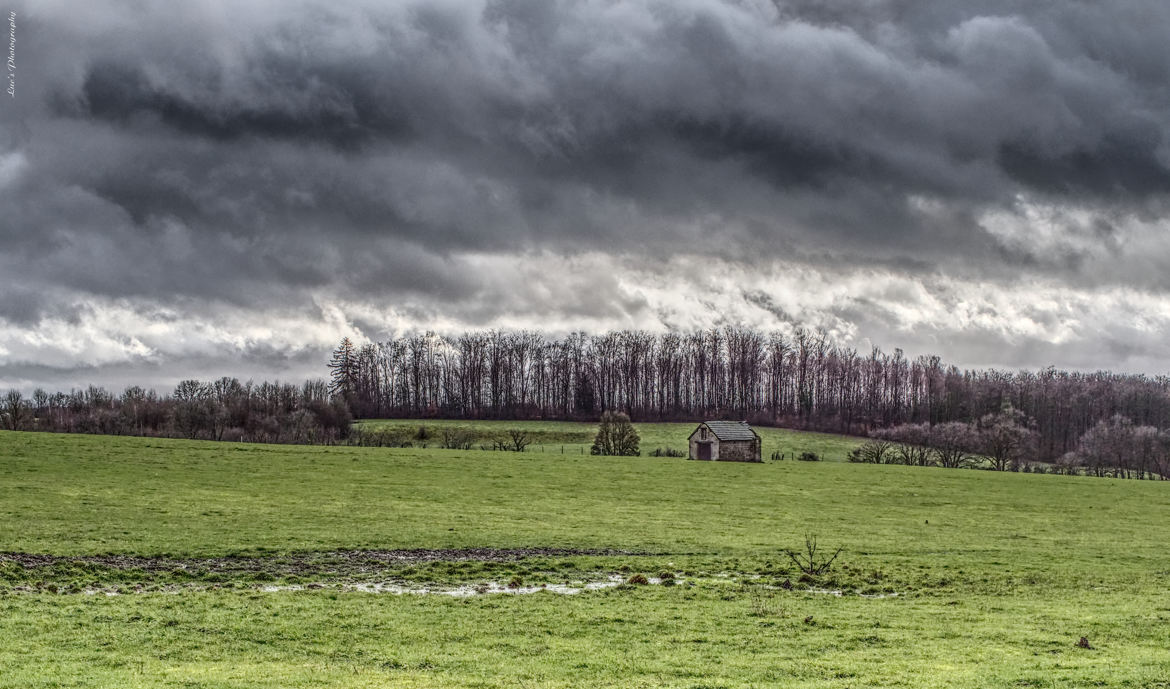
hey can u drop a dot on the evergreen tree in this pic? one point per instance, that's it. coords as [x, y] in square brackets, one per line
[343, 369]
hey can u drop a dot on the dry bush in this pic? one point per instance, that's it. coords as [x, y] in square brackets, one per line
[811, 562]
[458, 439]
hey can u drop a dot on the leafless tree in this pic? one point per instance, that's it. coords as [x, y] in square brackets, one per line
[810, 561]
[873, 452]
[15, 410]
[800, 379]
[1005, 439]
[953, 443]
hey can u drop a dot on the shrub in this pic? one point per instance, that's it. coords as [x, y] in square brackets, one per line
[615, 436]
[667, 452]
[458, 439]
[872, 452]
[809, 457]
[380, 437]
[518, 440]
[513, 440]
[810, 562]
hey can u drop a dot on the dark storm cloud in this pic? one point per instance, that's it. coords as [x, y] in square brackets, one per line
[266, 153]
[1113, 169]
[346, 115]
[538, 120]
[21, 306]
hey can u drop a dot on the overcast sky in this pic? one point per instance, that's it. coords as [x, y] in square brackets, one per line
[207, 188]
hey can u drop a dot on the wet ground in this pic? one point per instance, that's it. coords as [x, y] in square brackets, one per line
[335, 562]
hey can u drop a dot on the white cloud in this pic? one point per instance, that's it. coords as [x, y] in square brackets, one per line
[975, 323]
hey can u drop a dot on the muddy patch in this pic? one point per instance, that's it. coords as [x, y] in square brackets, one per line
[337, 562]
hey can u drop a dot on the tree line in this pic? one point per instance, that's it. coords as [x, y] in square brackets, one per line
[224, 409]
[1100, 423]
[1115, 447]
[803, 380]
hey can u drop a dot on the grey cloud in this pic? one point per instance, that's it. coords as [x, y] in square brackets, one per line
[555, 104]
[765, 301]
[267, 153]
[21, 307]
[344, 115]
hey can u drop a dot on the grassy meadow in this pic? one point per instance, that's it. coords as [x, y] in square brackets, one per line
[136, 562]
[569, 437]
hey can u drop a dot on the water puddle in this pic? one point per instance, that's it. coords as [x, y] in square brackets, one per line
[838, 593]
[465, 590]
[399, 588]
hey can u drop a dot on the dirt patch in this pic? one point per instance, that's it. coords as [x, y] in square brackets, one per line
[342, 562]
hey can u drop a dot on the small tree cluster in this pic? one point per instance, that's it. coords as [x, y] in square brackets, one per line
[224, 409]
[1118, 447]
[1005, 439]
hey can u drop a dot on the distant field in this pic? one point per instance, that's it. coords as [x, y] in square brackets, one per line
[573, 437]
[948, 578]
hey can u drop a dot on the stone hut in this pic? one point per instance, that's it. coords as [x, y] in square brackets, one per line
[725, 441]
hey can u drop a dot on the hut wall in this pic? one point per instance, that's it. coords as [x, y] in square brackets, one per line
[738, 451]
[695, 442]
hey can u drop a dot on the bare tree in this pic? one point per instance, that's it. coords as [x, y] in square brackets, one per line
[15, 410]
[1005, 439]
[810, 561]
[519, 439]
[911, 443]
[872, 452]
[953, 443]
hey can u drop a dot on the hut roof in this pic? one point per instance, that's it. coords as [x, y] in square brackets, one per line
[731, 430]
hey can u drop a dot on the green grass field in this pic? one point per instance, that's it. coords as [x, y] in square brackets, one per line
[948, 578]
[568, 437]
